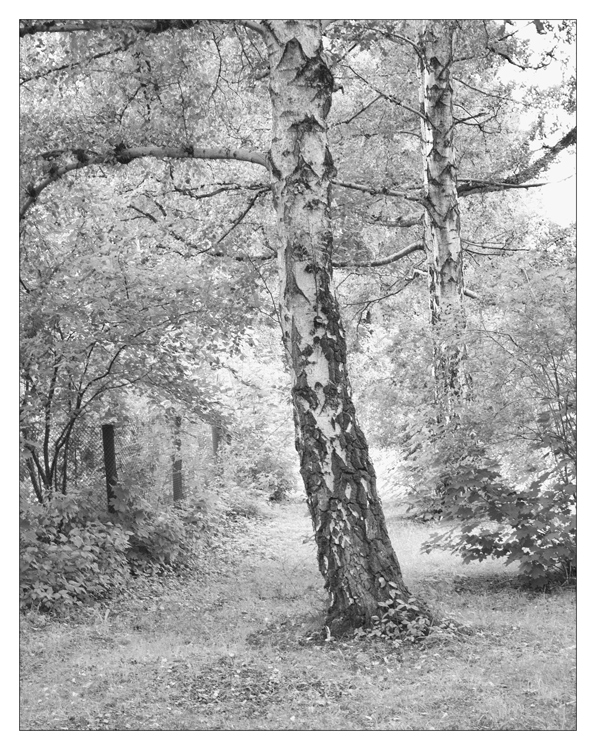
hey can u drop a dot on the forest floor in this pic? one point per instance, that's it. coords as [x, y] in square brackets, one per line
[229, 648]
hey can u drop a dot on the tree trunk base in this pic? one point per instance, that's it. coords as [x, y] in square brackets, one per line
[398, 614]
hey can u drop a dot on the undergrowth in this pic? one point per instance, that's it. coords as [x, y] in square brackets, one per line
[239, 643]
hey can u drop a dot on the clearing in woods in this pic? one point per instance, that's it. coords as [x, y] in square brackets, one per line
[229, 648]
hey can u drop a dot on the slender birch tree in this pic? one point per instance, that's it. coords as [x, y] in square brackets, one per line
[442, 234]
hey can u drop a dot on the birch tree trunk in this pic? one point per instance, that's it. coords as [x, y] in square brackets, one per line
[442, 238]
[355, 555]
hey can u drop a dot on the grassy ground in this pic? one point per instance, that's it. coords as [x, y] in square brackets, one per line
[230, 650]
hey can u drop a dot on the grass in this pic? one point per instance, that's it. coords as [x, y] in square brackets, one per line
[230, 648]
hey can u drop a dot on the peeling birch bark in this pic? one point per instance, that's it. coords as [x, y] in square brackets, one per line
[355, 554]
[442, 238]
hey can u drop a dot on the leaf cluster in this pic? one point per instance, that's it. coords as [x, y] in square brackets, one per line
[399, 620]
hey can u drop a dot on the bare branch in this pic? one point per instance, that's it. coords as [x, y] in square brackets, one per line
[494, 248]
[190, 192]
[77, 63]
[379, 191]
[400, 37]
[202, 251]
[238, 220]
[403, 222]
[469, 186]
[382, 261]
[360, 111]
[146, 214]
[389, 97]
[403, 284]
[486, 93]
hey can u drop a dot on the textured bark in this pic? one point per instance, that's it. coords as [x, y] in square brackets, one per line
[442, 239]
[355, 555]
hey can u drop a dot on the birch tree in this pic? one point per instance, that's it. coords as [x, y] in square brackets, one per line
[354, 550]
[442, 230]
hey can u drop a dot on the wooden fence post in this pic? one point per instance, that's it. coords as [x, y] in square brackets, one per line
[177, 461]
[109, 459]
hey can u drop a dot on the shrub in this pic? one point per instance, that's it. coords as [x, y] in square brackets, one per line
[535, 527]
[73, 553]
[67, 556]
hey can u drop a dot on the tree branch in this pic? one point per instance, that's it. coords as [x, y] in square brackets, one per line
[200, 251]
[150, 26]
[223, 188]
[382, 261]
[238, 220]
[69, 65]
[389, 97]
[253, 25]
[378, 191]
[400, 37]
[122, 155]
[360, 111]
[485, 93]
[403, 222]
[522, 66]
[470, 186]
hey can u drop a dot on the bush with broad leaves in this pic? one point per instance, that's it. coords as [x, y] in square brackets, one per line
[73, 553]
[69, 555]
[535, 528]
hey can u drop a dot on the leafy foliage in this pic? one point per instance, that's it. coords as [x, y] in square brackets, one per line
[73, 553]
[399, 619]
[68, 554]
[159, 535]
[535, 528]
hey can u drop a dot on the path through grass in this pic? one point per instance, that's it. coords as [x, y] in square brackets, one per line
[229, 649]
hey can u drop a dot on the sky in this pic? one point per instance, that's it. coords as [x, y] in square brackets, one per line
[557, 201]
